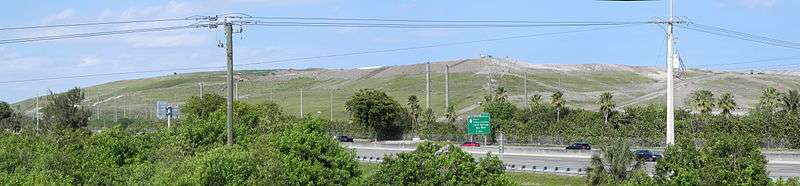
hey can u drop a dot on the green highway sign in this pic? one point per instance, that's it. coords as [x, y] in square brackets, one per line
[479, 124]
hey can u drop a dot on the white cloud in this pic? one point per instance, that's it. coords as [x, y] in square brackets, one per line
[65, 14]
[88, 61]
[275, 2]
[162, 40]
[752, 3]
[759, 3]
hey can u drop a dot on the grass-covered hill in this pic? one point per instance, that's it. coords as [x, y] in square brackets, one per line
[470, 80]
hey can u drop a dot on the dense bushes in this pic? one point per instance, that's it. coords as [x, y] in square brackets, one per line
[432, 164]
[724, 159]
[193, 153]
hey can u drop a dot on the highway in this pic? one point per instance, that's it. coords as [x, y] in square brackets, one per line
[778, 166]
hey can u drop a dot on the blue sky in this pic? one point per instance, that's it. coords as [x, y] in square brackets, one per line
[642, 45]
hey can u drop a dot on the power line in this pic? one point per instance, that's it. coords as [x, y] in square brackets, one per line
[92, 34]
[753, 61]
[430, 46]
[394, 25]
[97, 23]
[315, 57]
[742, 36]
[439, 21]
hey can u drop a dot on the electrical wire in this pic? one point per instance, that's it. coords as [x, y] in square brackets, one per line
[97, 23]
[742, 36]
[753, 61]
[314, 57]
[385, 25]
[440, 21]
[91, 34]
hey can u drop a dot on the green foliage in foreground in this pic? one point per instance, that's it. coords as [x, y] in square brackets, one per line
[191, 154]
[723, 160]
[432, 164]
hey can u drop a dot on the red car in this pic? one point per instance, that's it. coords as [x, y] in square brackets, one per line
[470, 144]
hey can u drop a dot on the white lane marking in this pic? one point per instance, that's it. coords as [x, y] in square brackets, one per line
[785, 162]
[531, 154]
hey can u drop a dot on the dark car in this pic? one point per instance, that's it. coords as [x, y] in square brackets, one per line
[647, 155]
[344, 138]
[580, 146]
[470, 144]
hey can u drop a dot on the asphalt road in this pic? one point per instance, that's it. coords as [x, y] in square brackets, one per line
[561, 160]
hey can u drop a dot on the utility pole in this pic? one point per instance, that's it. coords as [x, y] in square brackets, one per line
[201, 89]
[116, 110]
[428, 85]
[301, 102]
[236, 90]
[525, 87]
[670, 76]
[446, 87]
[229, 51]
[331, 100]
[36, 112]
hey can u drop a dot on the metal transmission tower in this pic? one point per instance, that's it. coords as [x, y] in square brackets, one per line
[670, 77]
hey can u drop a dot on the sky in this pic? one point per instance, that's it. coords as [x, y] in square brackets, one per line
[640, 45]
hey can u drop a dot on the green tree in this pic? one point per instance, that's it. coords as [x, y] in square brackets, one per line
[203, 106]
[305, 155]
[791, 102]
[770, 100]
[725, 159]
[451, 114]
[7, 117]
[702, 101]
[607, 105]
[64, 110]
[414, 110]
[500, 94]
[432, 164]
[615, 165]
[375, 109]
[535, 101]
[727, 104]
[557, 101]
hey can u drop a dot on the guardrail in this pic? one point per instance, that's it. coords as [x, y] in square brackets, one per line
[546, 169]
[369, 159]
[509, 167]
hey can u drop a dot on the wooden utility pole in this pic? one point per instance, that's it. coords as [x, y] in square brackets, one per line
[428, 85]
[301, 102]
[525, 86]
[229, 51]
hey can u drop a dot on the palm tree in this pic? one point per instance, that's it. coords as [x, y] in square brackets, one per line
[703, 101]
[791, 101]
[451, 114]
[617, 163]
[770, 100]
[726, 104]
[557, 101]
[607, 105]
[500, 94]
[414, 110]
[536, 100]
